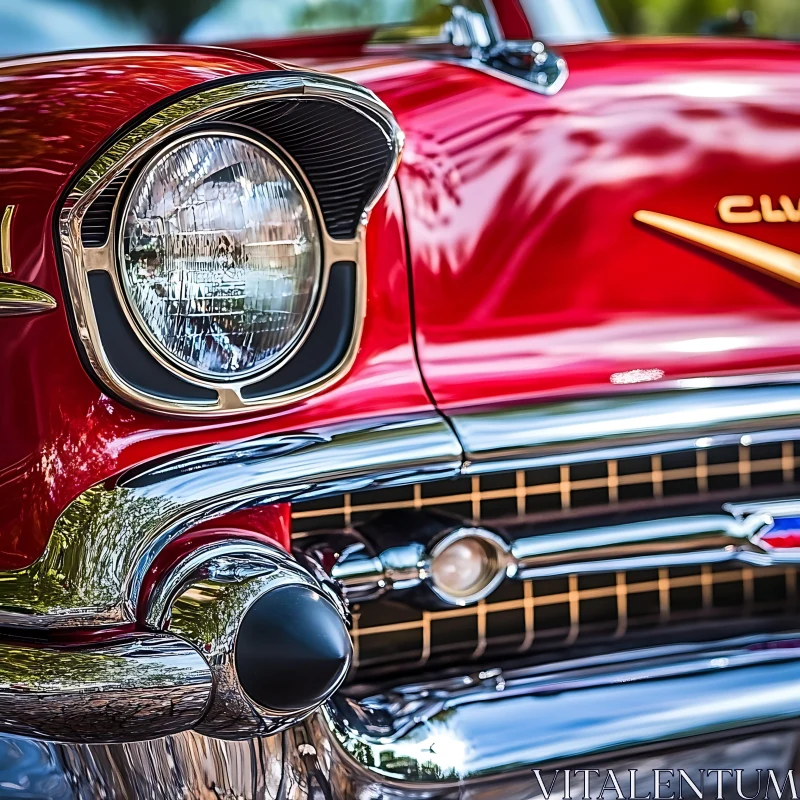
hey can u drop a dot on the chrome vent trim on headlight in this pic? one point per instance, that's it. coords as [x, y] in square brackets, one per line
[342, 175]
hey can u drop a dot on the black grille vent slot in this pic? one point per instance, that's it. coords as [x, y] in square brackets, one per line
[534, 617]
[96, 223]
[345, 156]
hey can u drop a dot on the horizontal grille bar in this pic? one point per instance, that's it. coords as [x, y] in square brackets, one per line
[522, 492]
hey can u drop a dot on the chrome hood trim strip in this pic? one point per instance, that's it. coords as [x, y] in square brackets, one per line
[560, 433]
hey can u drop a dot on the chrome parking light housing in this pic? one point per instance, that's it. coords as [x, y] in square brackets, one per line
[458, 552]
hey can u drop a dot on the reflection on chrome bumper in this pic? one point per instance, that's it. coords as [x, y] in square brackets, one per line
[474, 737]
[144, 686]
[426, 739]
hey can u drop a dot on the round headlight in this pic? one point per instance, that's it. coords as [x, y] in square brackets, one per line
[221, 255]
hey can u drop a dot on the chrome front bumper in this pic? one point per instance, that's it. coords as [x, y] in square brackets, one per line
[476, 736]
[730, 705]
[479, 736]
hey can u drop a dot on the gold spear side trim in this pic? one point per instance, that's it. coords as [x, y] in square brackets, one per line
[767, 258]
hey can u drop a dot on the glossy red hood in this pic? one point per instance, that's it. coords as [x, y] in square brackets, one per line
[531, 277]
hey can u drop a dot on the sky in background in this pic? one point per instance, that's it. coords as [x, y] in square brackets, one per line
[31, 26]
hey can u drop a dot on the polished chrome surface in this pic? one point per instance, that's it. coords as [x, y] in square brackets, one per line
[714, 469]
[141, 140]
[106, 539]
[470, 29]
[471, 36]
[290, 767]
[104, 542]
[17, 298]
[457, 733]
[747, 751]
[530, 65]
[367, 573]
[187, 766]
[494, 560]
[146, 686]
[203, 600]
[627, 424]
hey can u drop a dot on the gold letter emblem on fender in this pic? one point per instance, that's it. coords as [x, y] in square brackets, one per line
[736, 209]
[775, 261]
[731, 209]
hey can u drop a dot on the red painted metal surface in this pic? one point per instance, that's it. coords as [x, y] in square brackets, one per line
[60, 433]
[532, 280]
[512, 20]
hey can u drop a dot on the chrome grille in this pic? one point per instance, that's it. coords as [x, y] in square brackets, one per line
[521, 616]
[685, 473]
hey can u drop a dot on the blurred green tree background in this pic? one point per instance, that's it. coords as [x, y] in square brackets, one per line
[769, 18]
[168, 20]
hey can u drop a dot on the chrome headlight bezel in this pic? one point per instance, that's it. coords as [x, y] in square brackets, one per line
[141, 326]
[254, 106]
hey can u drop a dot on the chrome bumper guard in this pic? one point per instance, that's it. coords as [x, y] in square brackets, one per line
[145, 686]
[482, 731]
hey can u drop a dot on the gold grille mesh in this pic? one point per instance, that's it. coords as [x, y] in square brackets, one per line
[522, 614]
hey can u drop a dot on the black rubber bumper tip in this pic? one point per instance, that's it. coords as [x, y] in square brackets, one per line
[292, 649]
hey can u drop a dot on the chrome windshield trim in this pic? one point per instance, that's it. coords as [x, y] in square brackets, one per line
[104, 542]
[561, 433]
[444, 734]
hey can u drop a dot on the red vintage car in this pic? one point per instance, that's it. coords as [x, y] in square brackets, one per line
[405, 408]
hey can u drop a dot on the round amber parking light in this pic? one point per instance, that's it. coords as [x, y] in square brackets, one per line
[467, 565]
